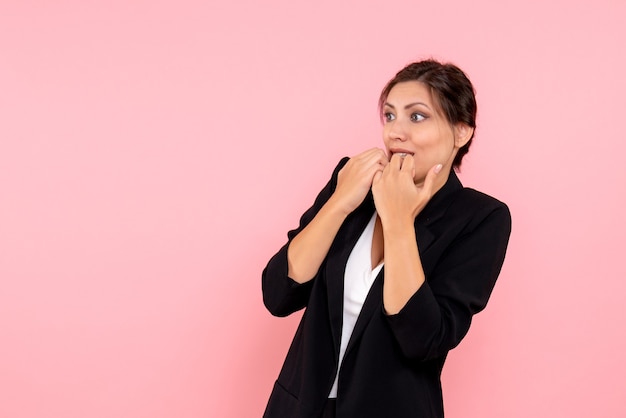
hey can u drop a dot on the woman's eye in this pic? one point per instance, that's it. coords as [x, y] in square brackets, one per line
[416, 117]
[389, 117]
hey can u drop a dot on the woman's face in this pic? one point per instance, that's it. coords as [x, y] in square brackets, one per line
[414, 124]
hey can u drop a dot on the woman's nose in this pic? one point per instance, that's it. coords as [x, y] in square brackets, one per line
[397, 131]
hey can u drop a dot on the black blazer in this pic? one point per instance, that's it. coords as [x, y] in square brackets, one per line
[393, 363]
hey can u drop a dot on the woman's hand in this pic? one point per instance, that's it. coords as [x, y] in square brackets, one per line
[355, 178]
[396, 196]
[310, 246]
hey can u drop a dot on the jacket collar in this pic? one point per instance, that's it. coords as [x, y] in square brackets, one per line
[440, 201]
[434, 210]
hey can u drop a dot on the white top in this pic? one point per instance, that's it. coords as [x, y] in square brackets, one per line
[357, 282]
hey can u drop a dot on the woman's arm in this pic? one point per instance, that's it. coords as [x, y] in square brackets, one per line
[398, 202]
[404, 274]
[438, 315]
[309, 248]
[288, 276]
[428, 318]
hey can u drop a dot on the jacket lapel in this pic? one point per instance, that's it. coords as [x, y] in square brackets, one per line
[347, 236]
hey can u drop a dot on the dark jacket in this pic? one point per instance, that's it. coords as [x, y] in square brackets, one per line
[392, 365]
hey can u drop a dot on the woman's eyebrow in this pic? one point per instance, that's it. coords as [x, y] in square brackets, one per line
[410, 105]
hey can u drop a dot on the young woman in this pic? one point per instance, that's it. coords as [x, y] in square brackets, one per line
[391, 262]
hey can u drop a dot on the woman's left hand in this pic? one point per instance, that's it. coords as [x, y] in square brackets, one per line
[396, 196]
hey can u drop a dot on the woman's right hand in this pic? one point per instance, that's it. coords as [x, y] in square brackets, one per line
[355, 178]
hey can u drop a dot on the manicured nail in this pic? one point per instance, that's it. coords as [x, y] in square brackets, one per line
[438, 168]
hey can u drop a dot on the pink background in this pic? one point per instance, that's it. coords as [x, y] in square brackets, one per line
[153, 155]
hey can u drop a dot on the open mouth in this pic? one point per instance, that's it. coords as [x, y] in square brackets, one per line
[401, 153]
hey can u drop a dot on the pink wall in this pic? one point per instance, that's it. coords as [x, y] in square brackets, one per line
[153, 155]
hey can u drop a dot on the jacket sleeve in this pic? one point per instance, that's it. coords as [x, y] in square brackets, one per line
[281, 294]
[438, 315]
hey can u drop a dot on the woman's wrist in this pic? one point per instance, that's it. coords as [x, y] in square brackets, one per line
[397, 225]
[336, 207]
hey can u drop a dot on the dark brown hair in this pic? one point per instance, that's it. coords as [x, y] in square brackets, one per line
[451, 90]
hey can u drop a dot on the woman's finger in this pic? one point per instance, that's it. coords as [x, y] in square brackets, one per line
[408, 165]
[395, 161]
[429, 181]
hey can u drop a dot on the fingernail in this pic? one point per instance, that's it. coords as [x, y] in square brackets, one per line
[438, 168]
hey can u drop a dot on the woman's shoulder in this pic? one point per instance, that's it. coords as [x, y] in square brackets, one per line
[479, 205]
[467, 195]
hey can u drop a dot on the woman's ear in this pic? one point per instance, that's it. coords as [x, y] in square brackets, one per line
[463, 133]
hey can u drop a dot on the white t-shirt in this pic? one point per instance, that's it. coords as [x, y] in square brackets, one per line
[358, 280]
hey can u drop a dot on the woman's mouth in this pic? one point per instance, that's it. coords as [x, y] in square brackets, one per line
[401, 153]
